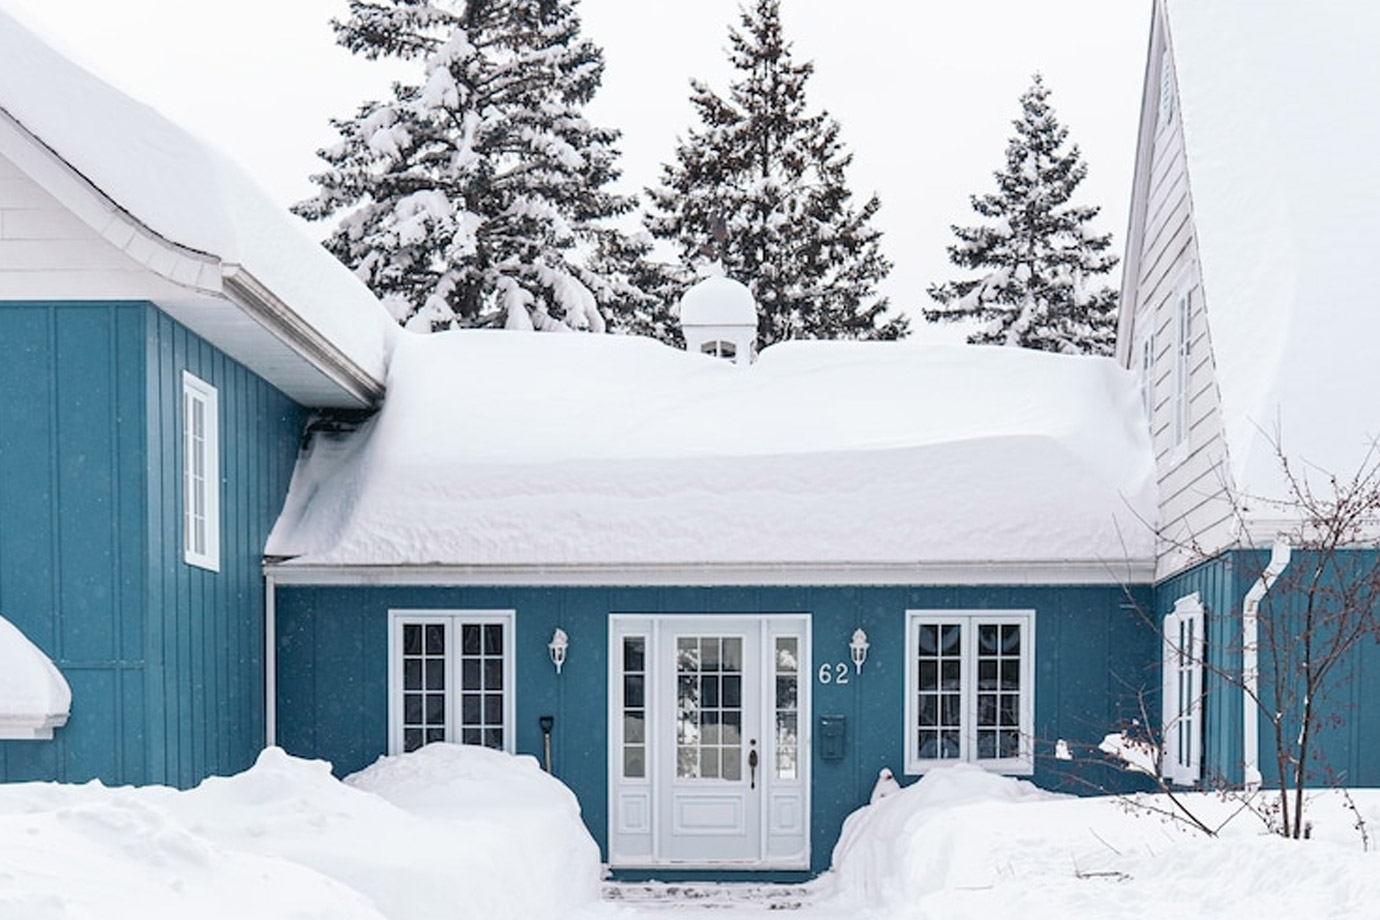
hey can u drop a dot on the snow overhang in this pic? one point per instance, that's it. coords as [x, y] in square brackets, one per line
[34, 696]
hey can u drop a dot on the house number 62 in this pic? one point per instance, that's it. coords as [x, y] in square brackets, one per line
[833, 673]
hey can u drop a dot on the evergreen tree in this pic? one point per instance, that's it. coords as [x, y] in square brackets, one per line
[772, 174]
[467, 198]
[1038, 253]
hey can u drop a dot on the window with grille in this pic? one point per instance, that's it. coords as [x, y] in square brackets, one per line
[1183, 691]
[200, 473]
[970, 689]
[451, 679]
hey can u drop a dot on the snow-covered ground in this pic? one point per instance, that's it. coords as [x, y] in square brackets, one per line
[451, 832]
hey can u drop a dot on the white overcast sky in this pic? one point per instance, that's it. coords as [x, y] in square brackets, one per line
[925, 90]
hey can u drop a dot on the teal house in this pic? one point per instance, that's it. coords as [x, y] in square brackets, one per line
[717, 593]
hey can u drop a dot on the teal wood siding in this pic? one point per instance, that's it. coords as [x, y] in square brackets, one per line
[204, 688]
[1346, 746]
[1094, 655]
[1221, 591]
[71, 547]
[164, 662]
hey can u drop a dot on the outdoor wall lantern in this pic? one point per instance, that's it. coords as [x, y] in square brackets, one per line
[558, 644]
[858, 647]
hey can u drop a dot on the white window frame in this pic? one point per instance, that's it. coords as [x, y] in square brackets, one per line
[1021, 765]
[1147, 377]
[1183, 370]
[1182, 692]
[1166, 88]
[200, 474]
[453, 620]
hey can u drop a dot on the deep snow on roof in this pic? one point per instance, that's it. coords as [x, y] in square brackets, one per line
[1279, 103]
[520, 449]
[718, 301]
[185, 191]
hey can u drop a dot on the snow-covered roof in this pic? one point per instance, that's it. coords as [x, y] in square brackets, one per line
[1279, 103]
[34, 696]
[718, 301]
[190, 201]
[612, 459]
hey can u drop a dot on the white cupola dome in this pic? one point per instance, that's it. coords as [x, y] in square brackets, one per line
[719, 317]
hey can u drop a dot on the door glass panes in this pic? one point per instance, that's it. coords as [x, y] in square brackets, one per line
[787, 667]
[424, 684]
[635, 707]
[939, 688]
[481, 684]
[998, 690]
[709, 707]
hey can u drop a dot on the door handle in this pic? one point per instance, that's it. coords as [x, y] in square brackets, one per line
[752, 764]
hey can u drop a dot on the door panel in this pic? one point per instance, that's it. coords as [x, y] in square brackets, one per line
[708, 683]
[709, 741]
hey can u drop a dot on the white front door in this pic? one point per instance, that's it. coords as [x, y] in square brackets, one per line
[708, 741]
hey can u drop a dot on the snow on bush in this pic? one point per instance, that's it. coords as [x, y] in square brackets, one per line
[962, 843]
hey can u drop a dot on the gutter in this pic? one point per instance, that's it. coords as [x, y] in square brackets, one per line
[1250, 662]
[274, 315]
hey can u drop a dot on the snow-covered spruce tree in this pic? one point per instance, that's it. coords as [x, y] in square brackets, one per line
[468, 198]
[1038, 255]
[773, 174]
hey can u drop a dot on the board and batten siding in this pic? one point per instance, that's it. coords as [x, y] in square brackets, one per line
[1094, 654]
[165, 660]
[1163, 265]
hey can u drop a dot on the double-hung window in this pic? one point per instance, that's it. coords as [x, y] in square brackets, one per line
[200, 473]
[970, 689]
[450, 678]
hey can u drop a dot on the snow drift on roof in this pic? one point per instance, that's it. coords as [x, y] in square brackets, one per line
[185, 191]
[34, 696]
[509, 449]
[1279, 101]
[718, 301]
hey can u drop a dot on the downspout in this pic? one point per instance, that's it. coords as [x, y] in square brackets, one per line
[1250, 663]
[270, 662]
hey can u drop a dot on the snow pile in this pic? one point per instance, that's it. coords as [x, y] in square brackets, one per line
[1286, 201]
[185, 191]
[527, 450]
[961, 843]
[443, 833]
[34, 696]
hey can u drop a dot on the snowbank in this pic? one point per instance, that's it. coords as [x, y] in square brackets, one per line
[34, 696]
[443, 833]
[545, 451]
[961, 843]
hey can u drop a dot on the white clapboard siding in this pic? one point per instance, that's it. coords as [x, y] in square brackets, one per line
[48, 253]
[1195, 512]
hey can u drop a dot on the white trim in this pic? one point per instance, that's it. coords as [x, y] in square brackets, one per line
[1058, 572]
[1022, 765]
[200, 486]
[1181, 370]
[1182, 692]
[270, 662]
[650, 626]
[453, 619]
